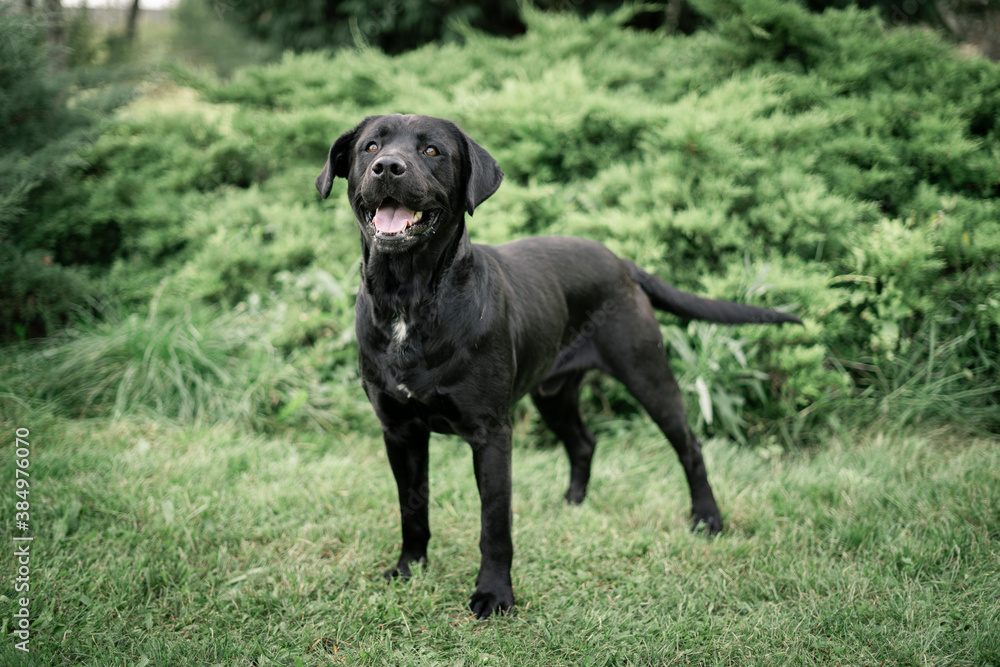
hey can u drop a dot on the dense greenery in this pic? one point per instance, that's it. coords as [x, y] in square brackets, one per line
[816, 163]
[395, 26]
[49, 116]
[39, 137]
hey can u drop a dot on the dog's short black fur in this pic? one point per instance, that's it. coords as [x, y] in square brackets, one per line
[451, 334]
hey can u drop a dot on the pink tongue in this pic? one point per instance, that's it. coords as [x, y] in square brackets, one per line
[392, 219]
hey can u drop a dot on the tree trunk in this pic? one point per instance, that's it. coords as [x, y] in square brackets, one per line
[133, 19]
[56, 32]
[975, 22]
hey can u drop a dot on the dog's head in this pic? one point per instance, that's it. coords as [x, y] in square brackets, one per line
[409, 178]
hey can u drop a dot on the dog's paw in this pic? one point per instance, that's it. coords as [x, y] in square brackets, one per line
[399, 572]
[708, 521]
[402, 569]
[486, 603]
[575, 495]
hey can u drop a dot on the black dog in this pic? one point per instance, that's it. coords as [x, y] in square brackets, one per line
[451, 334]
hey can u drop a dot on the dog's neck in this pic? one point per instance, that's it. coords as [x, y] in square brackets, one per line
[402, 283]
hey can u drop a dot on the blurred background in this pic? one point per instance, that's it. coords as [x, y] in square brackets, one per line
[838, 159]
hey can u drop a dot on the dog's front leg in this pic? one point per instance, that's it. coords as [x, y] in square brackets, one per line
[491, 458]
[407, 447]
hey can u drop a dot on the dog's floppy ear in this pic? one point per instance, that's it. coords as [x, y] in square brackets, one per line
[338, 163]
[483, 174]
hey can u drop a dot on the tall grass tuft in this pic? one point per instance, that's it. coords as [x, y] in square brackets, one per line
[200, 366]
[934, 381]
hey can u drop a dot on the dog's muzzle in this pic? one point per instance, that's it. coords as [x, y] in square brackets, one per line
[392, 219]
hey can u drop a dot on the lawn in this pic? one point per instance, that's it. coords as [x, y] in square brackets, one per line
[204, 478]
[177, 545]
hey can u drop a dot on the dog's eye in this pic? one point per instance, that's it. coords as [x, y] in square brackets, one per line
[431, 151]
[371, 147]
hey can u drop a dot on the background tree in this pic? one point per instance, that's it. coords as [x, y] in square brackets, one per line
[397, 25]
[41, 136]
[132, 21]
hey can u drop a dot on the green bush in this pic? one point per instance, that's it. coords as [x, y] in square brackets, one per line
[47, 118]
[38, 296]
[821, 164]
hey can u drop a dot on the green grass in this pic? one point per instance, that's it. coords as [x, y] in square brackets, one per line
[204, 545]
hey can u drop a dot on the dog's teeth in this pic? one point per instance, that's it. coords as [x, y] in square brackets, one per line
[417, 216]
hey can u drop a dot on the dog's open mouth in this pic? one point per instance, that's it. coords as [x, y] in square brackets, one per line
[392, 219]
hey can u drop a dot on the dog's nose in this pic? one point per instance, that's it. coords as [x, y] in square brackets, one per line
[393, 165]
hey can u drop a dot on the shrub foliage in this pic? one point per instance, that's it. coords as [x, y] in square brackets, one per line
[820, 163]
[47, 117]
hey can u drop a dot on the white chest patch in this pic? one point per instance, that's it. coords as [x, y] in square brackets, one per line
[399, 330]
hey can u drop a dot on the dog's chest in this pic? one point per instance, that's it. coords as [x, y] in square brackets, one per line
[406, 361]
[401, 347]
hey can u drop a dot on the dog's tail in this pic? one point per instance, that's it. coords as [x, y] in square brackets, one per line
[692, 307]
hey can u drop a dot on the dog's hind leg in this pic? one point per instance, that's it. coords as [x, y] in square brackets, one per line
[632, 349]
[654, 386]
[561, 413]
